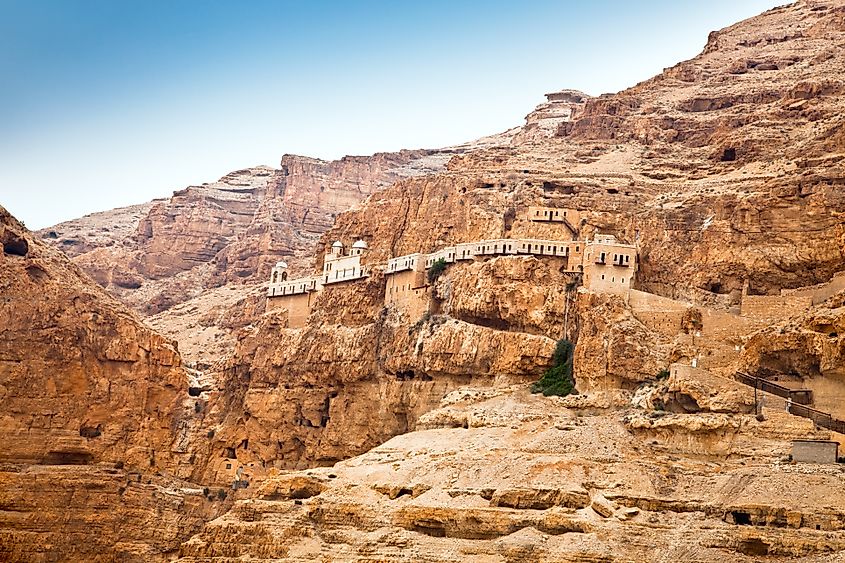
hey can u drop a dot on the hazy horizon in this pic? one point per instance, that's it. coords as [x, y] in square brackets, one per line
[110, 104]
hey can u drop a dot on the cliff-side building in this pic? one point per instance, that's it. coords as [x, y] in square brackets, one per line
[298, 295]
[407, 283]
[609, 266]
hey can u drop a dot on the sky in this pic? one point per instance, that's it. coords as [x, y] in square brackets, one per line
[108, 103]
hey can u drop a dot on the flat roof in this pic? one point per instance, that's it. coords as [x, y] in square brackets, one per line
[818, 441]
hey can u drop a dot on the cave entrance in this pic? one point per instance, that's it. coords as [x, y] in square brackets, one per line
[15, 246]
[741, 518]
[728, 155]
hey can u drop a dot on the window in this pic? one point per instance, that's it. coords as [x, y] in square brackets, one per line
[577, 248]
[602, 276]
[623, 280]
[614, 279]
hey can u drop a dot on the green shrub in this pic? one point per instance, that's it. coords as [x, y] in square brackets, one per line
[558, 379]
[663, 374]
[436, 269]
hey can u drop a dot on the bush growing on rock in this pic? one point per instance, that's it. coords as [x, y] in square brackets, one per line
[436, 269]
[558, 379]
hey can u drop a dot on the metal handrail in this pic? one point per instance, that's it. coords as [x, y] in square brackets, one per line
[820, 418]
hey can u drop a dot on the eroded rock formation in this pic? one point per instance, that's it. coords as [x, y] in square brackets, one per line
[93, 407]
[726, 171]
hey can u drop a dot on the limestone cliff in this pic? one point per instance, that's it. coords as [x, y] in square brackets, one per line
[725, 169]
[526, 479]
[359, 373]
[94, 405]
[82, 378]
[171, 252]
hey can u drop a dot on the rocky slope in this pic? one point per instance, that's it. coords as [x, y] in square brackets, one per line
[726, 170]
[95, 407]
[358, 374]
[506, 476]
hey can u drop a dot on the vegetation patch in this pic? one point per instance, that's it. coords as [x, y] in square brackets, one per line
[558, 379]
[436, 269]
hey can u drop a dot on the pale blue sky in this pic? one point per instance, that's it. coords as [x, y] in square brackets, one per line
[108, 103]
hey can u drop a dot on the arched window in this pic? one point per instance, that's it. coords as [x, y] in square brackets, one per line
[275, 276]
[284, 276]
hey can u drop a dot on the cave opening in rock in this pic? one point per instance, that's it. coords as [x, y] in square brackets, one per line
[741, 518]
[681, 403]
[90, 431]
[728, 155]
[15, 246]
[754, 546]
[405, 375]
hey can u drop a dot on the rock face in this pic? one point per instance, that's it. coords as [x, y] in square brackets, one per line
[82, 378]
[529, 480]
[725, 175]
[358, 373]
[806, 351]
[93, 404]
[726, 171]
[231, 232]
[744, 189]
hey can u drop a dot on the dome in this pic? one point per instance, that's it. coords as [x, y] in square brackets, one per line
[337, 244]
[360, 244]
[281, 264]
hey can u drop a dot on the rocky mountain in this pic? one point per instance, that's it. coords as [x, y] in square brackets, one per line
[95, 417]
[725, 170]
[176, 251]
[377, 432]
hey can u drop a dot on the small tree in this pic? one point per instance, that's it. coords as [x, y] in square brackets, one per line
[436, 269]
[558, 379]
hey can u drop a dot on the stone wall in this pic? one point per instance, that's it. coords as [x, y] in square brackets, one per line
[774, 307]
[408, 292]
[658, 313]
[815, 451]
[298, 307]
[820, 292]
